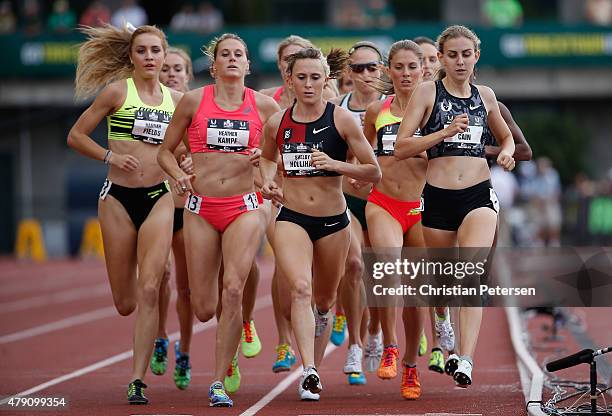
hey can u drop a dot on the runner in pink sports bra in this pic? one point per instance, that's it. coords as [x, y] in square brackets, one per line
[223, 122]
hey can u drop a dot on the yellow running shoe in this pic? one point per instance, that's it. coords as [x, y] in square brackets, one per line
[232, 378]
[251, 345]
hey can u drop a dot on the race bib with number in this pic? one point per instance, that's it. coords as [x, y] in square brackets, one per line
[150, 125]
[105, 188]
[227, 135]
[250, 201]
[193, 203]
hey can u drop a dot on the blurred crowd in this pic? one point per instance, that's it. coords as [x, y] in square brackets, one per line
[35, 16]
[535, 206]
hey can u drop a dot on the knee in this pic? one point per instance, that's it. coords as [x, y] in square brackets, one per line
[232, 295]
[149, 295]
[325, 303]
[301, 291]
[354, 268]
[203, 312]
[125, 306]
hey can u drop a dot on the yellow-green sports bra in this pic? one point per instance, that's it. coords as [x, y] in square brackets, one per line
[136, 120]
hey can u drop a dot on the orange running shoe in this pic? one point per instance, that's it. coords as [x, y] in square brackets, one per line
[388, 363]
[411, 386]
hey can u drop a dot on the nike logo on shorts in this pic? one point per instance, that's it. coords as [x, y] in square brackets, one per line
[331, 225]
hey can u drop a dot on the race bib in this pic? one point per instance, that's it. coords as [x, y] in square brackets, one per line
[105, 188]
[227, 135]
[297, 159]
[494, 200]
[250, 201]
[193, 203]
[469, 138]
[389, 135]
[150, 125]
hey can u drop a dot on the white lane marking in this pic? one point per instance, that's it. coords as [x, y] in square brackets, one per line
[281, 386]
[405, 414]
[260, 303]
[54, 298]
[61, 324]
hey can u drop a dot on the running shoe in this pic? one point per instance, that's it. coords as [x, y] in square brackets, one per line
[388, 364]
[251, 345]
[285, 358]
[135, 392]
[357, 379]
[182, 372]
[338, 330]
[218, 397]
[232, 377]
[353, 360]
[422, 345]
[311, 380]
[436, 361]
[463, 374]
[411, 386]
[177, 349]
[159, 359]
[445, 332]
[373, 352]
[321, 321]
[305, 395]
[451, 364]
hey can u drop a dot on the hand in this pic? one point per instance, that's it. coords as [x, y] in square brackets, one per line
[506, 161]
[270, 190]
[321, 161]
[127, 163]
[458, 125]
[254, 157]
[183, 184]
[186, 164]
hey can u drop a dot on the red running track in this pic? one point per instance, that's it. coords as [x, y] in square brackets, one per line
[57, 321]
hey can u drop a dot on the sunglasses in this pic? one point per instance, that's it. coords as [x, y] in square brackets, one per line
[370, 66]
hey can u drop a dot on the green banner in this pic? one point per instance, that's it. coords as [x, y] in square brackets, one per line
[533, 45]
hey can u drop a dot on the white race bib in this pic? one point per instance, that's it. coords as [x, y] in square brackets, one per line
[251, 202]
[471, 136]
[227, 135]
[193, 204]
[150, 125]
[297, 161]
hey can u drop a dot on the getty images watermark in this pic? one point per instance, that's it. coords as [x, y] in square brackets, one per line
[567, 276]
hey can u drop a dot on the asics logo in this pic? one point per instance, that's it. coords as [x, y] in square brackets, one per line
[315, 131]
[474, 107]
[331, 225]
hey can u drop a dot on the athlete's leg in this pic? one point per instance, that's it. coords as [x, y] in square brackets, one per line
[183, 300]
[164, 299]
[352, 282]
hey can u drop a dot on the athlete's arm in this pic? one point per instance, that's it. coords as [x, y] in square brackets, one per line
[181, 119]
[268, 160]
[369, 122]
[499, 128]
[267, 107]
[108, 101]
[367, 169]
[522, 149]
[422, 99]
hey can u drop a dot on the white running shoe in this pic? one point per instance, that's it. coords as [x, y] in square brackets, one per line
[321, 322]
[463, 374]
[353, 360]
[373, 352]
[451, 364]
[311, 380]
[307, 396]
[445, 332]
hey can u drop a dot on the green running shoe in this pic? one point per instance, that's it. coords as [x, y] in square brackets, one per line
[232, 378]
[182, 372]
[135, 392]
[436, 361]
[251, 345]
[159, 359]
[422, 345]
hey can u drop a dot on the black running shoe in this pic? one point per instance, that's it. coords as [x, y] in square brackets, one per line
[135, 393]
